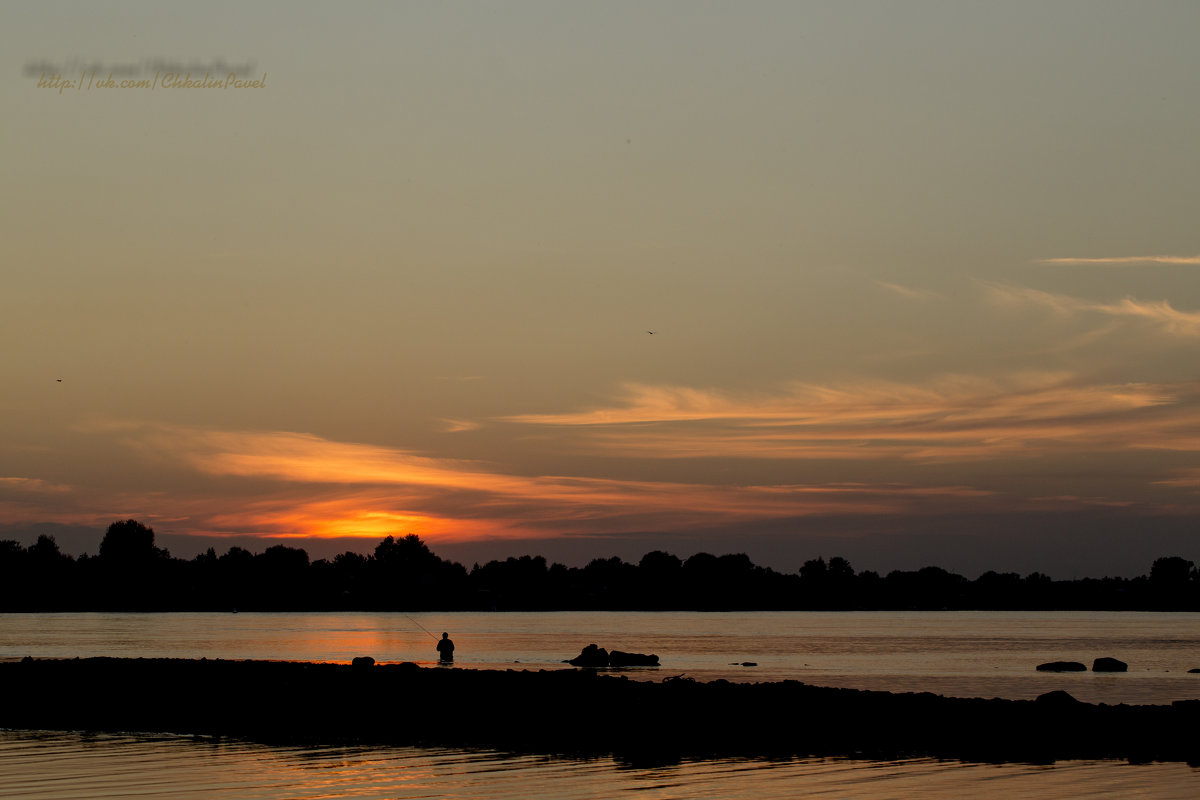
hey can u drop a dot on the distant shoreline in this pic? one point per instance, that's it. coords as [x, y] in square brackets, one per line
[131, 574]
[574, 711]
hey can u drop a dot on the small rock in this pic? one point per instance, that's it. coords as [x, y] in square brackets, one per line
[1062, 666]
[362, 662]
[1109, 665]
[749, 663]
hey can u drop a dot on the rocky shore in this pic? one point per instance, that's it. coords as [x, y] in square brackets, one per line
[574, 711]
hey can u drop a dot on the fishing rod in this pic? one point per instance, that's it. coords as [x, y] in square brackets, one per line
[419, 625]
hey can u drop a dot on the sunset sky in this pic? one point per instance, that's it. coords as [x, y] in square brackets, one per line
[923, 279]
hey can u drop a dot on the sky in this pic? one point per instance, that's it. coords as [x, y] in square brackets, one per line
[911, 282]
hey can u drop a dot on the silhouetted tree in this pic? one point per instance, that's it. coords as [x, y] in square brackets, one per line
[45, 550]
[608, 583]
[1172, 584]
[840, 569]
[999, 590]
[815, 570]
[1171, 570]
[928, 588]
[130, 542]
[660, 579]
[515, 584]
[404, 573]
[829, 585]
[130, 572]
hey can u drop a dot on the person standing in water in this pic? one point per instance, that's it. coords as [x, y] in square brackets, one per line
[445, 649]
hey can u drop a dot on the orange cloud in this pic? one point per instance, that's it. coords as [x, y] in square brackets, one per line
[326, 488]
[283, 483]
[460, 425]
[32, 485]
[954, 418]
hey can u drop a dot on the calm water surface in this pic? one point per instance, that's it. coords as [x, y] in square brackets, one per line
[70, 766]
[968, 654]
[984, 654]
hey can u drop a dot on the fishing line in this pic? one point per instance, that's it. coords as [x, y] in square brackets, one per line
[422, 627]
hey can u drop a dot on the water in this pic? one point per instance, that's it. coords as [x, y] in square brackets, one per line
[72, 766]
[966, 654]
[988, 654]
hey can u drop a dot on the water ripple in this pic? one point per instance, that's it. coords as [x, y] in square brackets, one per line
[75, 766]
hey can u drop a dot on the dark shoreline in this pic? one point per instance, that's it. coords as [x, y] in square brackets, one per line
[575, 711]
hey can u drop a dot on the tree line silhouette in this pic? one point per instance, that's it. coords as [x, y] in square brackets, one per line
[131, 573]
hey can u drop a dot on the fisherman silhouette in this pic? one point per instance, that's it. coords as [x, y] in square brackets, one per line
[445, 649]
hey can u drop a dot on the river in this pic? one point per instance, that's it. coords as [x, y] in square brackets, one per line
[983, 654]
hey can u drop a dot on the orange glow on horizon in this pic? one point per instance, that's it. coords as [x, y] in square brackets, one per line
[306, 486]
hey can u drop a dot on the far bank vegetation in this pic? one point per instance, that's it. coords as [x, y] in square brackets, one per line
[129, 572]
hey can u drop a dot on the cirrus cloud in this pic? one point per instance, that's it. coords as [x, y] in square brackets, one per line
[1161, 313]
[954, 418]
[1121, 261]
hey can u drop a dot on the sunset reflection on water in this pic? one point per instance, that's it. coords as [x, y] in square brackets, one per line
[74, 766]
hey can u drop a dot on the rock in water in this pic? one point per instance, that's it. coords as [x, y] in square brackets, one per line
[597, 657]
[1062, 666]
[362, 662]
[591, 656]
[619, 659]
[1109, 665]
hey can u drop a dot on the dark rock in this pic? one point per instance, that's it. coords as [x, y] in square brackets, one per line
[597, 657]
[1109, 665]
[749, 663]
[362, 662]
[1193, 671]
[1062, 666]
[618, 658]
[591, 656]
[1057, 698]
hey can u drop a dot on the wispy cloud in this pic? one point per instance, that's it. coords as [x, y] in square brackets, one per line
[459, 425]
[1186, 323]
[1023, 296]
[908, 292]
[1120, 261]
[34, 485]
[1160, 312]
[1187, 479]
[328, 488]
[955, 418]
